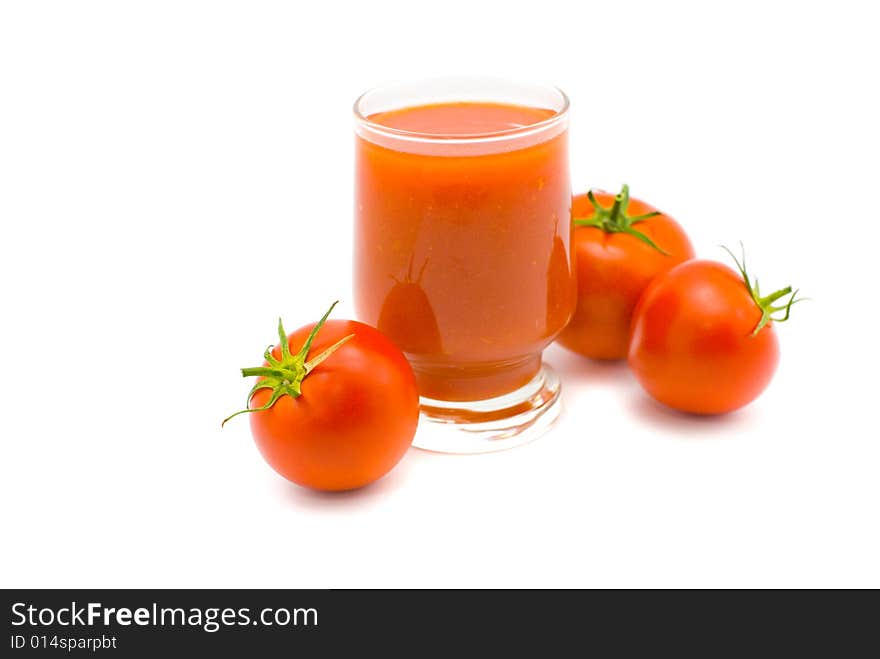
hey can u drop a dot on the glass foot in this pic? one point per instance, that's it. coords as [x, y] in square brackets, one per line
[494, 424]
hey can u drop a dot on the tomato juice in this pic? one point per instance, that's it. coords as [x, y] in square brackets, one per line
[462, 240]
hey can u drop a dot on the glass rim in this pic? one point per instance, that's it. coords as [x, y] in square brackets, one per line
[468, 138]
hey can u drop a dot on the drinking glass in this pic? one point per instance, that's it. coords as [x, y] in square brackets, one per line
[462, 249]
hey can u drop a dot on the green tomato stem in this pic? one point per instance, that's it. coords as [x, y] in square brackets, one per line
[616, 219]
[285, 376]
[312, 363]
[770, 299]
[260, 370]
[765, 303]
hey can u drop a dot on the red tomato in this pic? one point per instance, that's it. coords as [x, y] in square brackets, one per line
[335, 414]
[619, 247]
[702, 338]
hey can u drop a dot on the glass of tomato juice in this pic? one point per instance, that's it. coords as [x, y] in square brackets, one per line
[462, 249]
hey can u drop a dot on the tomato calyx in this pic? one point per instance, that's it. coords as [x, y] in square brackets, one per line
[284, 376]
[765, 303]
[616, 219]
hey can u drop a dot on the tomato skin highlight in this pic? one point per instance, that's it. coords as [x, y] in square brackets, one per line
[692, 346]
[613, 270]
[355, 419]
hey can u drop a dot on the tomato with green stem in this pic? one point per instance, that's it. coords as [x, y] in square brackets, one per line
[703, 339]
[335, 406]
[619, 245]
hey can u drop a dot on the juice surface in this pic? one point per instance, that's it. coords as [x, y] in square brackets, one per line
[461, 118]
[464, 261]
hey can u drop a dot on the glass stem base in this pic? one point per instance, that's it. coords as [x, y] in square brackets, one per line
[494, 424]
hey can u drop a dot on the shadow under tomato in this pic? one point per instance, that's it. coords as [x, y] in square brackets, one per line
[692, 426]
[575, 368]
[304, 497]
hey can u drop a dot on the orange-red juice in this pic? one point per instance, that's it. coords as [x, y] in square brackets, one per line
[462, 235]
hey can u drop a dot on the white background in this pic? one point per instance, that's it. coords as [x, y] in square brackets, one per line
[176, 175]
